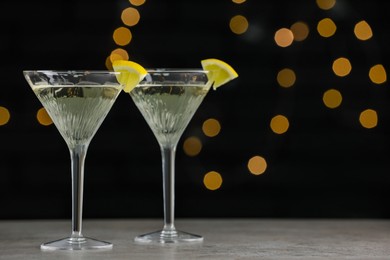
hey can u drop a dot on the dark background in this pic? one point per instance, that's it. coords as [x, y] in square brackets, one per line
[327, 165]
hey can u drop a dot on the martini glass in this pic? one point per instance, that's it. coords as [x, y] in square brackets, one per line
[167, 99]
[77, 102]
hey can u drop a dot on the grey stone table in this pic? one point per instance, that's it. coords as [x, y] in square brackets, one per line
[224, 239]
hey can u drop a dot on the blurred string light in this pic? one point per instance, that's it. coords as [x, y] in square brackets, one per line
[326, 27]
[332, 98]
[192, 146]
[119, 53]
[326, 4]
[211, 127]
[362, 31]
[130, 16]
[122, 35]
[137, 2]
[377, 74]
[341, 67]
[4, 115]
[279, 124]
[257, 165]
[368, 118]
[238, 1]
[300, 31]
[286, 77]
[212, 180]
[238, 24]
[43, 117]
[284, 37]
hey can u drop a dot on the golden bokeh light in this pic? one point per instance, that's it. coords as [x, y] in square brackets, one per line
[257, 165]
[192, 146]
[130, 16]
[332, 98]
[286, 77]
[378, 74]
[119, 54]
[368, 118]
[284, 37]
[115, 56]
[211, 127]
[279, 124]
[238, 1]
[4, 115]
[212, 180]
[363, 31]
[326, 4]
[239, 24]
[43, 117]
[122, 36]
[326, 27]
[108, 63]
[137, 2]
[300, 31]
[341, 67]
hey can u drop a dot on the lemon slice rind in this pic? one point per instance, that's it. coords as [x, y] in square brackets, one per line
[131, 73]
[219, 72]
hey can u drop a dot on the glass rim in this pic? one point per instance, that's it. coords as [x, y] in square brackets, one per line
[149, 70]
[175, 70]
[73, 71]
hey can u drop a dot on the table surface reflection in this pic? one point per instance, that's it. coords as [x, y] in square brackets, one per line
[223, 239]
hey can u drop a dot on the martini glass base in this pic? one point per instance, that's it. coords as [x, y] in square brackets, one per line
[163, 237]
[84, 243]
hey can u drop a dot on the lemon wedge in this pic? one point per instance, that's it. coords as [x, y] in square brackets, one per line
[131, 73]
[219, 72]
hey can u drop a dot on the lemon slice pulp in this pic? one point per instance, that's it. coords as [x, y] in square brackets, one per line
[219, 72]
[131, 73]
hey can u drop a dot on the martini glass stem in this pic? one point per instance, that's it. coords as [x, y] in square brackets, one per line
[168, 169]
[77, 153]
